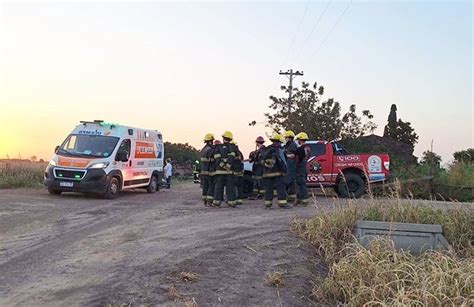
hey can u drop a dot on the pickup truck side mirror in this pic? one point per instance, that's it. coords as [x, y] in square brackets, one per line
[56, 149]
[122, 156]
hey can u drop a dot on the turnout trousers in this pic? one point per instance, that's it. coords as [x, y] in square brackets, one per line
[302, 189]
[226, 181]
[275, 183]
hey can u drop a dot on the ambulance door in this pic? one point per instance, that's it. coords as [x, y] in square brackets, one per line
[124, 162]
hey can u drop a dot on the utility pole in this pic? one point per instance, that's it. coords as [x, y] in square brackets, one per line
[291, 74]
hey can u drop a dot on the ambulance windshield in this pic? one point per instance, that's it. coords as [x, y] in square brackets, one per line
[93, 146]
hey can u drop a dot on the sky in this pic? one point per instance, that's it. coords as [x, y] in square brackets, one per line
[189, 68]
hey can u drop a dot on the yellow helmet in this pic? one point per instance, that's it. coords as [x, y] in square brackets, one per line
[277, 137]
[227, 135]
[289, 134]
[208, 137]
[302, 136]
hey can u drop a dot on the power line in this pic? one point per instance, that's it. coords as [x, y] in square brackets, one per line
[315, 25]
[331, 30]
[296, 32]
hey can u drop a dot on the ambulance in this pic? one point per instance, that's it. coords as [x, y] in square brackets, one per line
[105, 158]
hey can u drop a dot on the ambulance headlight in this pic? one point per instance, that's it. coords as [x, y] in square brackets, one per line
[52, 163]
[99, 165]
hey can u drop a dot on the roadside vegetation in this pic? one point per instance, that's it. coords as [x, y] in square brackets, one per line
[381, 275]
[21, 175]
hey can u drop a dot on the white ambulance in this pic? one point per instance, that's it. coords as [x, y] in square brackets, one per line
[105, 158]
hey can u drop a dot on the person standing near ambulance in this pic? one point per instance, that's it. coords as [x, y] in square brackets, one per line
[168, 172]
[301, 155]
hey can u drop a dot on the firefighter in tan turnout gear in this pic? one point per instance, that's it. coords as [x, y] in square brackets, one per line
[224, 155]
[206, 179]
[275, 167]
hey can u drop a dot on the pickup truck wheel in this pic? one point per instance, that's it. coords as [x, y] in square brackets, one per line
[113, 189]
[153, 186]
[54, 191]
[352, 187]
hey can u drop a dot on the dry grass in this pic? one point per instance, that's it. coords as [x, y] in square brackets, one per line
[275, 279]
[19, 176]
[173, 293]
[381, 275]
[188, 276]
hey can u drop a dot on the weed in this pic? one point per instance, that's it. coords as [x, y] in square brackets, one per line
[188, 276]
[275, 279]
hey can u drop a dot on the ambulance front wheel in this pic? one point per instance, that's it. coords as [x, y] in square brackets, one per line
[54, 191]
[113, 189]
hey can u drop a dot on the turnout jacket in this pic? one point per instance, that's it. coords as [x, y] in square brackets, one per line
[224, 156]
[274, 161]
[206, 156]
[255, 157]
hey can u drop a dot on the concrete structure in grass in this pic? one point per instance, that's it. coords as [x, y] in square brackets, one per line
[415, 238]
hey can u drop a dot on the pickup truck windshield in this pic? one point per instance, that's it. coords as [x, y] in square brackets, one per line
[96, 146]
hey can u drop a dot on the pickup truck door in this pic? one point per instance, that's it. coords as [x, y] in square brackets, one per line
[319, 164]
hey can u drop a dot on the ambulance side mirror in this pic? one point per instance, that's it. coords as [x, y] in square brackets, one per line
[56, 149]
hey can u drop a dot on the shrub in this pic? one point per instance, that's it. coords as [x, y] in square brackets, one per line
[21, 177]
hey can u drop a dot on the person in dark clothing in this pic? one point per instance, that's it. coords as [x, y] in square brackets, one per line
[238, 170]
[204, 175]
[275, 167]
[224, 155]
[301, 155]
[290, 178]
[257, 168]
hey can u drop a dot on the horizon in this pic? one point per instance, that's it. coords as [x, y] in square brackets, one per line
[173, 66]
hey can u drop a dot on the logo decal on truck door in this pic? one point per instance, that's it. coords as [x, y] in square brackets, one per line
[374, 164]
[145, 150]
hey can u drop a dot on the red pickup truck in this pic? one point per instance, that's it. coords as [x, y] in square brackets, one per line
[331, 166]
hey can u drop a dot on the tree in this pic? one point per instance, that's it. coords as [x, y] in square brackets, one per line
[33, 158]
[391, 127]
[320, 119]
[399, 130]
[432, 159]
[466, 156]
[181, 153]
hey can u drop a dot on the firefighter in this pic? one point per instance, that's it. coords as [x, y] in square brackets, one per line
[301, 156]
[290, 178]
[274, 169]
[212, 175]
[206, 152]
[196, 169]
[224, 155]
[238, 171]
[257, 168]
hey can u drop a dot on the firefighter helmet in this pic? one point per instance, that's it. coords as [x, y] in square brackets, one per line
[277, 137]
[302, 136]
[227, 135]
[208, 137]
[217, 142]
[260, 140]
[289, 134]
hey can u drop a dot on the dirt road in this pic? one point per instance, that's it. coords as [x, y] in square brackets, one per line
[79, 250]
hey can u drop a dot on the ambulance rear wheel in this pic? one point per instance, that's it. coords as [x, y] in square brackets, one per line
[113, 189]
[54, 191]
[153, 186]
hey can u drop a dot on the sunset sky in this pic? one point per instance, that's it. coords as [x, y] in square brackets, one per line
[189, 68]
